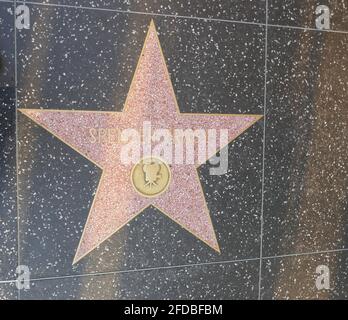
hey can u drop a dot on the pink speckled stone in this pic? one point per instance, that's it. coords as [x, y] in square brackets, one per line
[151, 98]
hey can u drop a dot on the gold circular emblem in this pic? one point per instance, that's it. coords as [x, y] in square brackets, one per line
[150, 177]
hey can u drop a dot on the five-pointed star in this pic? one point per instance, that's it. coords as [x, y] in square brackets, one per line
[151, 98]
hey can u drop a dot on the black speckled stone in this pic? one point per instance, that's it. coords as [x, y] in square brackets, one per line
[8, 212]
[301, 13]
[8, 291]
[250, 10]
[306, 154]
[295, 277]
[77, 59]
[7, 65]
[226, 281]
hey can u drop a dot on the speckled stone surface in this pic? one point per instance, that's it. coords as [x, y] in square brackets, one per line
[84, 59]
[221, 281]
[301, 13]
[8, 212]
[81, 47]
[306, 157]
[8, 291]
[251, 10]
[295, 277]
[7, 64]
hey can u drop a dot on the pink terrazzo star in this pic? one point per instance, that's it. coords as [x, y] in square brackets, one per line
[150, 98]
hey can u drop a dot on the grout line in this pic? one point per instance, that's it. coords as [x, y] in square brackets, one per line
[306, 28]
[147, 269]
[263, 150]
[17, 157]
[304, 253]
[140, 13]
[181, 266]
[176, 16]
[7, 281]
[184, 265]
